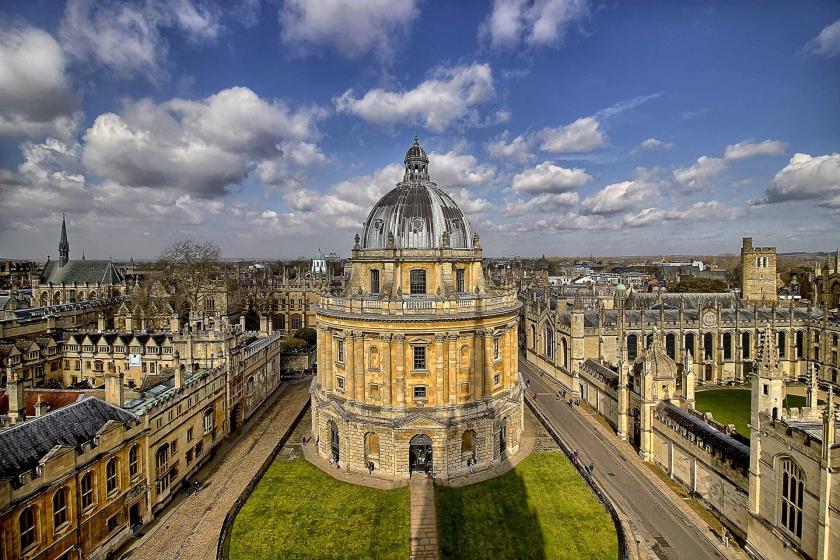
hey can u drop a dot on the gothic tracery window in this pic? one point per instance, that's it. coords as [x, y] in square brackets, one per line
[791, 494]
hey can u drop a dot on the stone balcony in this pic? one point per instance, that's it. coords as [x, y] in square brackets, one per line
[418, 307]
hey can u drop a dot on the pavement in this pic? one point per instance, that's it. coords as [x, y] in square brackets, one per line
[189, 528]
[661, 522]
[423, 519]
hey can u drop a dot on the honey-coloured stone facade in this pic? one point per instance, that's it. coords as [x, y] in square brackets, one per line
[758, 272]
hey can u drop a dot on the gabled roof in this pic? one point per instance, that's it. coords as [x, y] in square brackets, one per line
[79, 272]
[22, 446]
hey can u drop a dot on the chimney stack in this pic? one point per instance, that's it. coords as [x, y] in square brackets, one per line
[100, 322]
[114, 388]
[17, 401]
[180, 374]
[41, 407]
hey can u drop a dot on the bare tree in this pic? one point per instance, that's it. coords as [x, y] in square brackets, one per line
[193, 269]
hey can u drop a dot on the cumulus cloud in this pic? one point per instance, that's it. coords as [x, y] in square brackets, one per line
[623, 196]
[711, 210]
[450, 94]
[517, 150]
[455, 170]
[36, 96]
[702, 174]
[203, 146]
[127, 37]
[827, 43]
[534, 23]
[807, 177]
[351, 27]
[654, 144]
[583, 135]
[549, 178]
[543, 203]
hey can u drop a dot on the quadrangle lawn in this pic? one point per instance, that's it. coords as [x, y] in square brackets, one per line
[539, 510]
[299, 512]
[732, 406]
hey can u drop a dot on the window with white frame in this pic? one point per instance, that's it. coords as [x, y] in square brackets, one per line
[340, 351]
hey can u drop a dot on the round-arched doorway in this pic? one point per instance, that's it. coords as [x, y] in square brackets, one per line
[420, 454]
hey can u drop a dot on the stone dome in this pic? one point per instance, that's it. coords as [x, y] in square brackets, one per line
[658, 362]
[417, 213]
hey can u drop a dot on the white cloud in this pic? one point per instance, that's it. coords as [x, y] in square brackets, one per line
[654, 144]
[747, 149]
[702, 174]
[583, 135]
[807, 177]
[455, 170]
[449, 95]
[711, 210]
[534, 23]
[127, 38]
[827, 43]
[200, 147]
[35, 92]
[517, 150]
[549, 178]
[623, 196]
[351, 27]
[544, 203]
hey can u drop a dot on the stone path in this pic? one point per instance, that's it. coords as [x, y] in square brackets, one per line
[190, 529]
[424, 537]
[371, 481]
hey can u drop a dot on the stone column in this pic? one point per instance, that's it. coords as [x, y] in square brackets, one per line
[477, 365]
[328, 366]
[349, 367]
[360, 366]
[400, 370]
[452, 371]
[440, 391]
[387, 381]
[488, 363]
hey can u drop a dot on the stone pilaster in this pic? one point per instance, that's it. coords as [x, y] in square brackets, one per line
[387, 374]
[400, 370]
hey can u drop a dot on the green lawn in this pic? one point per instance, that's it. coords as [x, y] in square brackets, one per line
[539, 510]
[732, 406]
[299, 512]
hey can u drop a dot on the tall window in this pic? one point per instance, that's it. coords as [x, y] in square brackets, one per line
[708, 345]
[374, 281]
[340, 352]
[27, 528]
[690, 344]
[632, 347]
[111, 476]
[209, 424]
[417, 279]
[548, 341]
[800, 343]
[87, 490]
[671, 345]
[727, 346]
[419, 357]
[496, 348]
[459, 280]
[134, 461]
[745, 345]
[791, 497]
[60, 508]
[781, 340]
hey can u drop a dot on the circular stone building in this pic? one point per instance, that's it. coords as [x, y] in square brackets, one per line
[417, 358]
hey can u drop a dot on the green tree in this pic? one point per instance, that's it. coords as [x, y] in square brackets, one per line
[307, 334]
[192, 268]
[694, 285]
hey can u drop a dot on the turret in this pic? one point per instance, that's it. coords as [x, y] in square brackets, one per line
[688, 379]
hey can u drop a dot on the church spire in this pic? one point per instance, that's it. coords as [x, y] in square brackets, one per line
[63, 244]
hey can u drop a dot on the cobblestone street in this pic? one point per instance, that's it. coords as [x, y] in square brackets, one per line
[190, 529]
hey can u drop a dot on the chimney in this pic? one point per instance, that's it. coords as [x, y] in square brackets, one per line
[100, 322]
[17, 402]
[180, 374]
[41, 407]
[114, 388]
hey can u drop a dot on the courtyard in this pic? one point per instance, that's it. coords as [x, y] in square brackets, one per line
[732, 406]
[539, 509]
[299, 512]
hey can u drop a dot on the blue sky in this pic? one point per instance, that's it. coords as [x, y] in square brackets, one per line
[563, 127]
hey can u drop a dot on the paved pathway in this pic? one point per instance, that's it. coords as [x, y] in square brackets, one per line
[190, 529]
[669, 528]
[424, 538]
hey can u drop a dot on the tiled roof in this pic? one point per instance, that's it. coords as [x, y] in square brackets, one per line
[54, 399]
[22, 446]
[79, 272]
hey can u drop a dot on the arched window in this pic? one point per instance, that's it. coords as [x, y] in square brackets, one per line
[87, 490]
[708, 346]
[134, 461]
[564, 346]
[781, 339]
[296, 322]
[691, 344]
[548, 341]
[533, 337]
[59, 508]
[791, 494]
[45, 299]
[26, 524]
[417, 281]
[632, 347]
[92, 295]
[746, 349]
[372, 449]
[465, 357]
[468, 445]
[800, 343]
[111, 478]
[671, 345]
[727, 346]
[374, 281]
[209, 420]
[373, 358]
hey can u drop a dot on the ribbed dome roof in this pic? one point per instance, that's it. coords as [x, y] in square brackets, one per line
[416, 212]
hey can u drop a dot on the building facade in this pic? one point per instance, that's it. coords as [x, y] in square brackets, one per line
[758, 272]
[417, 358]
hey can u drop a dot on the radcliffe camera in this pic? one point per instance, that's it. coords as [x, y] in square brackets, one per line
[419, 280]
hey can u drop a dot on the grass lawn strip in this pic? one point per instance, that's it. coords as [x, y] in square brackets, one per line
[540, 509]
[732, 406]
[299, 512]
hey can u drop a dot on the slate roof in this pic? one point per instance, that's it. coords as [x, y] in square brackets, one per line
[714, 437]
[79, 272]
[22, 446]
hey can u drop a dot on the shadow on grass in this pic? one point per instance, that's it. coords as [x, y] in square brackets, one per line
[492, 519]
